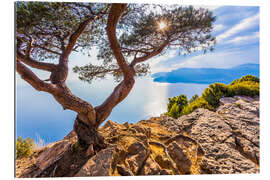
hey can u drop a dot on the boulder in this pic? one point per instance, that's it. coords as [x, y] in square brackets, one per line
[136, 156]
[99, 165]
[123, 171]
[166, 164]
[229, 136]
[150, 167]
[181, 160]
[52, 153]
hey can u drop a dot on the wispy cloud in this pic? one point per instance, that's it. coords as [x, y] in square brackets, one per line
[221, 59]
[248, 39]
[219, 27]
[243, 25]
[156, 63]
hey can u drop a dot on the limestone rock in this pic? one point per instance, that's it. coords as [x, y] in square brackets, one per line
[150, 167]
[229, 136]
[137, 154]
[99, 165]
[53, 153]
[123, 171]
[166, 164]
[183, 163]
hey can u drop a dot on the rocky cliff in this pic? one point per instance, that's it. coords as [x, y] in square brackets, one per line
[203, 142]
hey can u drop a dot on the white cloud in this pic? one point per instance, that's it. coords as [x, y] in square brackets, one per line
[225, 59]
[218, 27]
[243, 25]
[155, 63]
[245, 39]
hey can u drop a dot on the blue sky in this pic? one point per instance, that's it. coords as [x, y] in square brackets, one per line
[237, 32]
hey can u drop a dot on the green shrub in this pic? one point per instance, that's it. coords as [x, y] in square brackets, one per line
[247, 85]
[198, 103]
[180, 101]
[214, 93]
[247, 88]
[174, 111]
[193, 98]
[24, 147]
[246, 78]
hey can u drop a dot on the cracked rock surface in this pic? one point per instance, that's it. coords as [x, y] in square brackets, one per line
[229, 136]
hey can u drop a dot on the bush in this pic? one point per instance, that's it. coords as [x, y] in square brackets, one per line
[198, 103]
[247, 85]
[193, 98]
[174, 111]
[247, 88]
[246, 78]
[24, 147]
[180, 101]
[215, 92]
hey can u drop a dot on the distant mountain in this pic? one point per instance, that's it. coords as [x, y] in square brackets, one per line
[207, 75]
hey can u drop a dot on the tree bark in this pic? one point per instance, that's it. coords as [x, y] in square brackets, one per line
[122, 90]
[88, 134]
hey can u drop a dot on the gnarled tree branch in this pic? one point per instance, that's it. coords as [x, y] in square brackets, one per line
[59, 76]
[61, 93]
[114, 15]
[119, 93]
[32, 79]
[73, 38]
[149, 55]
[35, 64]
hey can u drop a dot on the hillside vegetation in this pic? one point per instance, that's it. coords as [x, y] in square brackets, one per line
[245, 86]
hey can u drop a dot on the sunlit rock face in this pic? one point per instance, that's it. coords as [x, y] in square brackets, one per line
[229, 136]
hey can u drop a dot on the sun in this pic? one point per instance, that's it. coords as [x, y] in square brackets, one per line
[162, 25]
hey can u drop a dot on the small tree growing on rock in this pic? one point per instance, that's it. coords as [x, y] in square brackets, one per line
[24, 147]
[126, 35]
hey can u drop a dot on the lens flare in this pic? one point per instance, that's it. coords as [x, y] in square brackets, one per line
[162, 25]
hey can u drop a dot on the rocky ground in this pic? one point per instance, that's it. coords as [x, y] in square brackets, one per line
[203, 142]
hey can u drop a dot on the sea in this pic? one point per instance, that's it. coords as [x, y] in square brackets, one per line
[41, 118]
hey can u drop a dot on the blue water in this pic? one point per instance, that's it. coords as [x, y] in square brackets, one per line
[38, 114]
[207, 75]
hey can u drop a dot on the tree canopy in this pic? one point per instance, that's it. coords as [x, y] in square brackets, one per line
[140, 37]
[49, 25]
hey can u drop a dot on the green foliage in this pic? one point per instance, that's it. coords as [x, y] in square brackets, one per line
[178, 100]
[176, 104]
[24, 147]
[198, 103]
[49, 24]
[245, 86]
[249, 78]
[139, 35]
[214, 92]
[193, 98]
[174, 111]
[91, 72]
[193, 25]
